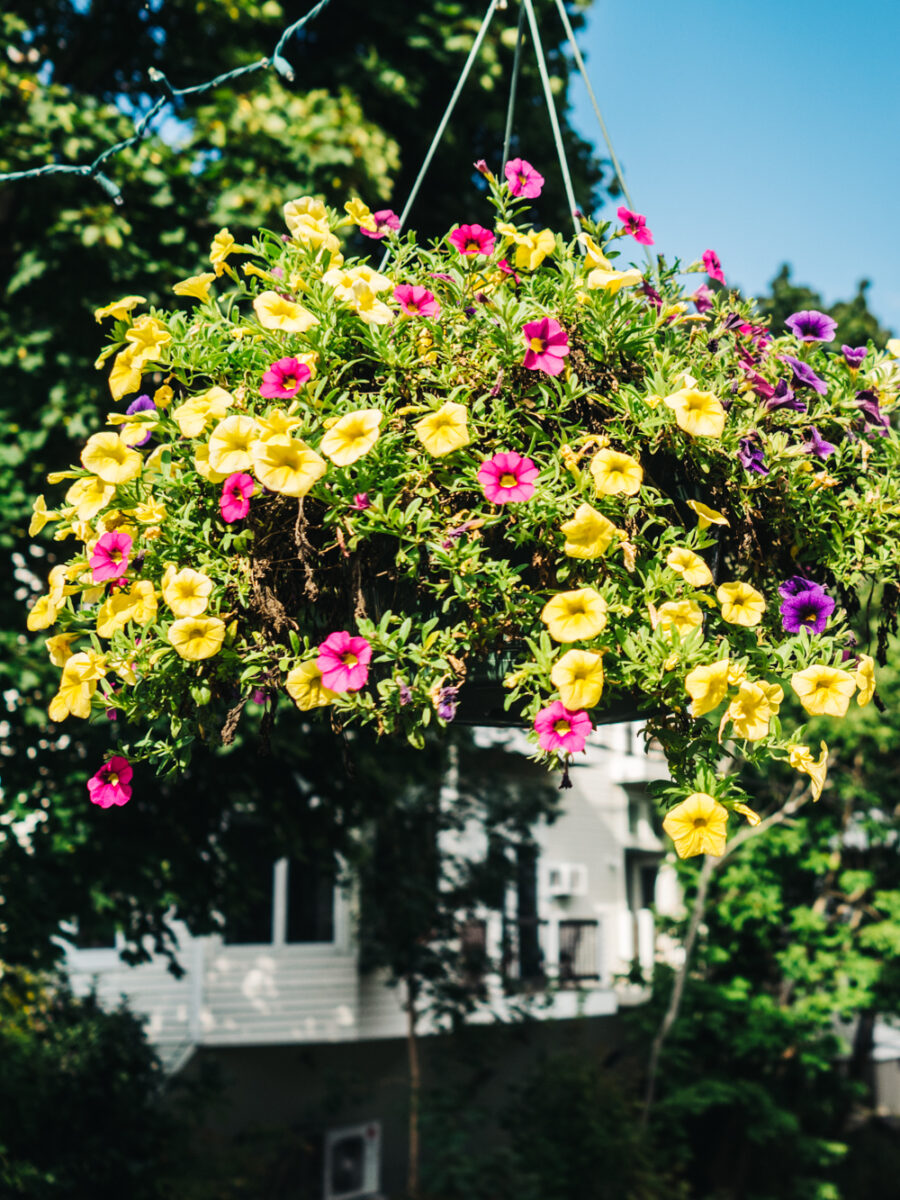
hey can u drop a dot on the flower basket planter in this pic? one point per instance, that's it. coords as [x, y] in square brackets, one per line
[503, 481]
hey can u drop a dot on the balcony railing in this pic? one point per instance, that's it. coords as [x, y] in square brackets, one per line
[577, 952]
[535, 951]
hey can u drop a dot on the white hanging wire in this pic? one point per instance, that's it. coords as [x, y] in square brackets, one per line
[551, 109]
[579, 61]
[473, 54]
[513, 87]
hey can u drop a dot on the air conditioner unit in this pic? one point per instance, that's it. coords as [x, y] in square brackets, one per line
[566, 879]
[353, 1162]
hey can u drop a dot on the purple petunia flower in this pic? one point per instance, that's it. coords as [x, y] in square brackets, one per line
[142, 404]
[752, 456]
[405, 693]
[805, 375]
[784, 397]
[808, 609]
[702, 298]
[795, 585]
[651, 293]
[810, 325]
[854, 357]
[874, 418]
[447, 703]
[816, 444]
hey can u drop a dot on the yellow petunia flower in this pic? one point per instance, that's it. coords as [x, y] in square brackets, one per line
[575, 616]
[360, 214]
[697, 826]
[824, 690]
[593, 255]
[43, 613]
[343, 279]
[276, 312]
[138, 604]
[684, 616]
[195, 414]
[893, 347]
[147, 338]
[352, 436]
[707, 686]
[801, 759]
[753, 818]
[229, 445]
[588, 534]
[689, 566]
[316, 234]
[706, 516]
[531, 247]
[278, 423]
[196, 286]
[368, 307]
[698, 413]
[741, 604]
[40, 515]
[865, 679]
[197, 637]
[78, 684]
[304, 208]
[119, 309]
[616, 473]
[60, 648]
[221, 246]
[444, 431]
[107, 457]
[749, 712]
[162, 397]
[578, 677]
[305, 687]
[612, 281]
[125, 376]
[186, 591]
[202, 467]
[287, 465]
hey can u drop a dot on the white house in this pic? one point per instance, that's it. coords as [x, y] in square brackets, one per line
[577, 923]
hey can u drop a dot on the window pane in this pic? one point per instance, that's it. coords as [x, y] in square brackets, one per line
[310, 901]
[250, 921]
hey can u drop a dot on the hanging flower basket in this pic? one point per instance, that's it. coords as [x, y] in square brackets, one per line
[502, 478]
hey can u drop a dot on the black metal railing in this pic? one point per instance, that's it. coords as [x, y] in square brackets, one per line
[577, 951]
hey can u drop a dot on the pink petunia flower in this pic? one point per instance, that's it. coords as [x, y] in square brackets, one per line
[523, 179]
[548, 345]
[112, 783]
[507, 477]
[385, 220]
[235, 499]
[361, 502]
[702, 298]
[472, 239]
[344, 662]
[284, 379]
[559, 728]
[416, 301]
[636, 225]
[109, 558]
[713, 266]
[504, 266]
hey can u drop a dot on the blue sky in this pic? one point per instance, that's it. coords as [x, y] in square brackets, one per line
[767, 131]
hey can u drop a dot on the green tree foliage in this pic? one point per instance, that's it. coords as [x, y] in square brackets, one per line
[81, 1092]
[370, 78]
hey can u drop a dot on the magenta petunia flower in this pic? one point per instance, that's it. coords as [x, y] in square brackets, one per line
[805, 375]
[112, 783]
[234, 502]
[713, 266]
[561, 729]
[853, 356]
[141, 404]
[636, 225]
[385, 220]
[548, 345]
[109, 558]
[472, 239]
[344, 662]
[807, 609]
[284, 379]
[507, 477]
[874, 418]
[416, 301]
[702, 299]
[523, 179]
[504, 266]
[361, 502]
[810, 325]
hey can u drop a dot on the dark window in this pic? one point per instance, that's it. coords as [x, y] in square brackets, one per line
[310, 902]
[249, 922]
[95, 931]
